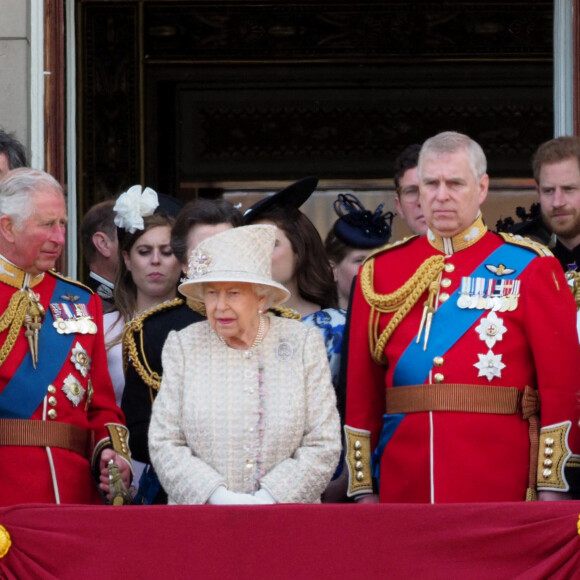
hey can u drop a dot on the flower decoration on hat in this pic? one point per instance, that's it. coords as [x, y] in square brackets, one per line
[198, 264]
[133, 205]
[357, 226]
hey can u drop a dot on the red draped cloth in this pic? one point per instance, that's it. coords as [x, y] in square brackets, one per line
[495, 541]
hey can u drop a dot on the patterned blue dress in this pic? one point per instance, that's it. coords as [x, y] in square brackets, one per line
[330, 322]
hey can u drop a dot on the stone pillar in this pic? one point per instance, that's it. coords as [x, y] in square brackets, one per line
[14, 69]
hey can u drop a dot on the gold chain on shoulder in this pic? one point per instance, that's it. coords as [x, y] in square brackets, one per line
[400, 301]
[285, 312]
[13, 317]
[136, 355]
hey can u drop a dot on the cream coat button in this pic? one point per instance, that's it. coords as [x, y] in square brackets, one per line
[443, 297]
[449, 267]
[438, 378]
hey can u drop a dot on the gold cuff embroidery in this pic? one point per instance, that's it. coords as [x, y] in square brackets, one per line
[358, 460]
[552, 457]
[118, 440]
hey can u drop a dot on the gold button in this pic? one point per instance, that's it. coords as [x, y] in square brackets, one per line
[357, 455]
[51, 389]
[358, 465]
[52, 414]
[445, 283]
[547, 463]
[443, 297]
[439, 377]
[547, 473]
[438, 361]
[449, 267]
[549, 441]
[357, 445]
[548, 452]
[52, 401]
[360, 475]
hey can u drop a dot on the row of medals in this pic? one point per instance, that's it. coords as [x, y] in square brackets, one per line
[82, 325]
[505, 303]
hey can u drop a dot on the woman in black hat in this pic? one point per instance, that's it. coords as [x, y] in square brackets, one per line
[300, 264]
[353, 236]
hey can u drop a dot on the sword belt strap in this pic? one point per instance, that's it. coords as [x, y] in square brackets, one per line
[453, 397]
[32, 433]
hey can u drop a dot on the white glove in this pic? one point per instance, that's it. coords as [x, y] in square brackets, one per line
[264, 496]
[223, 496]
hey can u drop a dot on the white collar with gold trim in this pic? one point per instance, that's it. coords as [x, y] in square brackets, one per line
[16, 277]
[460, 241]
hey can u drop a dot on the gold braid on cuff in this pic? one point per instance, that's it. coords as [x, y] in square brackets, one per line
[118, 440]
[358, 460]
[553, 455]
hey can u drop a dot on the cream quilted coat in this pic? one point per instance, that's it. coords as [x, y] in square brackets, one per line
[222, 418]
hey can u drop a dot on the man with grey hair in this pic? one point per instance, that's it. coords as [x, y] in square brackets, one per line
[59, 424]
[455, 339]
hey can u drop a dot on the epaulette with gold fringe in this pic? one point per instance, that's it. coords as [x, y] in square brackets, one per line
[528, 243]
[71, 281]
[387, 247]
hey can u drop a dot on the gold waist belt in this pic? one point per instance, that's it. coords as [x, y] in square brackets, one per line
[453, 397]
[31, 433]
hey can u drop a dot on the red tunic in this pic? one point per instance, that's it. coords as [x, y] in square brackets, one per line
[454, 456]
[25, 472]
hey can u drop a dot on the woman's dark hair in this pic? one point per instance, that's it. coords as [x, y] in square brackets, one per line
[336, 249]
[201, 211]
[313, 272]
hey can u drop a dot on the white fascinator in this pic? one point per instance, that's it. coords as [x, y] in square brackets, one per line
[133, 205]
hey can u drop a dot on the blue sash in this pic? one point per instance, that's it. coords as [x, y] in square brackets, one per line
[415, 363]
[28, 386]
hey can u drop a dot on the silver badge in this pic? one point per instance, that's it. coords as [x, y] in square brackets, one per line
[491, 329]
[489, 365]
[80, 359]
[284, 351]
[73, 390]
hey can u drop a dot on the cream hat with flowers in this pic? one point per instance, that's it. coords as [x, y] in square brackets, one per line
[242, 254]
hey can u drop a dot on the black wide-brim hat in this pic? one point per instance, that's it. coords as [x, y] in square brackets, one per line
[292, 196]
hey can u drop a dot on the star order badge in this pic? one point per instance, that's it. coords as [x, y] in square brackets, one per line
[73, 390]
[491, 329]
[489, 365]
[80, 359]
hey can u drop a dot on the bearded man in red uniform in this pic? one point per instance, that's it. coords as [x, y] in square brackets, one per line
[59, 424]
[463, 360]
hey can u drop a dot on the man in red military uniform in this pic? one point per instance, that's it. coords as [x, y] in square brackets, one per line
[59, 424]
[456, 338]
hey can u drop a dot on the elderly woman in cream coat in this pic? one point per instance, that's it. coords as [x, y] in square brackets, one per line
[246, 413]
